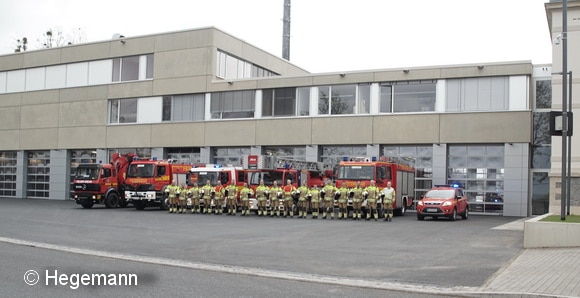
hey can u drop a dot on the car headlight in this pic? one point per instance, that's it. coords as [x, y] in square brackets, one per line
[420, 203]
[447, 204]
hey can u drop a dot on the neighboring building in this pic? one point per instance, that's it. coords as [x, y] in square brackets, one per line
[204, 96]
[554, 15]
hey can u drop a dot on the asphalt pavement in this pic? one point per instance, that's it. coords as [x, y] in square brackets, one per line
[474, 257]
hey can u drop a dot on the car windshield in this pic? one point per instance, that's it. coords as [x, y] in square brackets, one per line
[355, 172]
[440, 194]
[140, 170]
[87, 172]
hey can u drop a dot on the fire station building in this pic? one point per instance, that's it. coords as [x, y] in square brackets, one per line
[205, 96]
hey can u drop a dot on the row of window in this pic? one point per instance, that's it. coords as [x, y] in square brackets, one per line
[231, 68]
[347, 99]
[78, 74]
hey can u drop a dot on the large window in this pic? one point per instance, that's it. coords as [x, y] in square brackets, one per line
[190, 107]
[184, 155]
[8, 174]
[479, 170]
[232, 104]
[123, 111]
[478, 94]
[298, 153]
[408, 96]
[343, 99]
[279, 102]
[129, 68]
[38, 174]
[541, 148]
[332, 155]
[230, 156]
[230, 67]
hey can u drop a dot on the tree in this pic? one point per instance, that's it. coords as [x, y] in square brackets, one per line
[53, 38]
[21, 45]
[56, 38]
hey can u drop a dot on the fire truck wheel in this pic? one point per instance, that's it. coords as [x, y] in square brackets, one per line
[112, 200]
[139, 205]
[87, 205]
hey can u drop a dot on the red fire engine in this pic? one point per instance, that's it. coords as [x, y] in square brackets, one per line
[147, 179]
[102, 183]
[272, 168]
[402, 177]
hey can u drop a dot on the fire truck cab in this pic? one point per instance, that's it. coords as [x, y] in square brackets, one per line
[272, 168]
[147, 179]
[96, 183]
[402, 177]
[212, 173]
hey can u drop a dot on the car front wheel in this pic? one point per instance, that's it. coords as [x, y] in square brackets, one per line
[453, 215]
[465, 214]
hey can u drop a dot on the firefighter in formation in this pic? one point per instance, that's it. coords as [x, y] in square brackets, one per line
[371, 194]
[194, 194]
[289, 193]
[262, 195]
[206, 195]
[342, 195]
[328, 196]
[171, 192]
[245, 194]
[388, 195]
[231, 194]
[356, 193]
[302, 201]
[276, 196]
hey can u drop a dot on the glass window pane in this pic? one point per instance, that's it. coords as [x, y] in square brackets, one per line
[343, 99]
[541, 157]
[414, 97]
[267, 102]
[323, 100]
[540, 193]
[149, 72]
[114, 111]
[364, 98]
[386, 98]
[304, 101]
[130, 68]
[284, 101]
[166, 113]
[128, 110]
[543, 94]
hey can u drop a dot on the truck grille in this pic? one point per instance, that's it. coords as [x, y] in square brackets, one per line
[86, 187]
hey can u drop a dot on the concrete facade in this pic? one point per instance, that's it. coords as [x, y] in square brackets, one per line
[76, 115]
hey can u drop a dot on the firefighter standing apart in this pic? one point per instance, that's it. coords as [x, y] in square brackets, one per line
[289, 192]
[206, 196]
[302, 202]
[245, 194]
[356, 193]
[171, 191]
[342, 201]
[328, 193]
[194, 193]
[275, 197]
[232, 194]
[262, 193]
[389, 197]
[219, 198]
[183, 198]
[372, 194]
[314, 197]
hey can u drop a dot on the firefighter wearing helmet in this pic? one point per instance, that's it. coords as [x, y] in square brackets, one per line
[388, 194]
[357, 197]
[171, 191]
[206, 196]
[262, 194]
[231, 196]
[342, 201]
[195, 195]
[314, 197]
[302, 200]
[219, 198]
[372, 194]
[328, 192]
[276, 194]
[289, 193]
[182, 198]
[245, 194]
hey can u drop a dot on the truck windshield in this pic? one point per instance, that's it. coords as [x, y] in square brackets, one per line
[356, 172]
[87, 172]
[202, 177]
[140, 170]
[268, 176]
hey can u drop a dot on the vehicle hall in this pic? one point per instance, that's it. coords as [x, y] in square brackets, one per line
[204, 96]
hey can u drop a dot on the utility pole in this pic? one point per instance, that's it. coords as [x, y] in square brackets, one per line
[286, 31]
[564, 188]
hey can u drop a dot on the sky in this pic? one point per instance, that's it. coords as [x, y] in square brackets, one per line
[326, 35]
